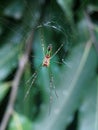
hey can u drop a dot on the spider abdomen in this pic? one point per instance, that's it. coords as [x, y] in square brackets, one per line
[46, 61]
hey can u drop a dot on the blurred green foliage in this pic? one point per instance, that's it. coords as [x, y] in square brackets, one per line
[75, 77]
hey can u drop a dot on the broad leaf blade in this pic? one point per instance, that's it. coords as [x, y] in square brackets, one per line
[69, 93]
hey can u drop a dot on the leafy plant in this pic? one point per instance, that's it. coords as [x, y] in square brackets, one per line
[27, 26]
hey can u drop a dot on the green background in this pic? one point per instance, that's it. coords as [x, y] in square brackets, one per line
[74, 67]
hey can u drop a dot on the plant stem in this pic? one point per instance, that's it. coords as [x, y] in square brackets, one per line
[15, 83]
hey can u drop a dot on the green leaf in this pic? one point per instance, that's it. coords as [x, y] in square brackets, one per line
[92, 8]
[83, 30]
[19, 122]
[62, 21]
[66, 6]
[4, 87]
[8, 59]
[73, 83]
[88, 110]
[14, 9]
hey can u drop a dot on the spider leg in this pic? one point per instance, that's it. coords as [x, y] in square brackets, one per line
[63, 63]
[50, 96]
[52, 81]
[52, 87]
[42, 40]
[57, 51]
[34, 76]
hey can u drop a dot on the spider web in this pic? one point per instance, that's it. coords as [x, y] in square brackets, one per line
[52, 30]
